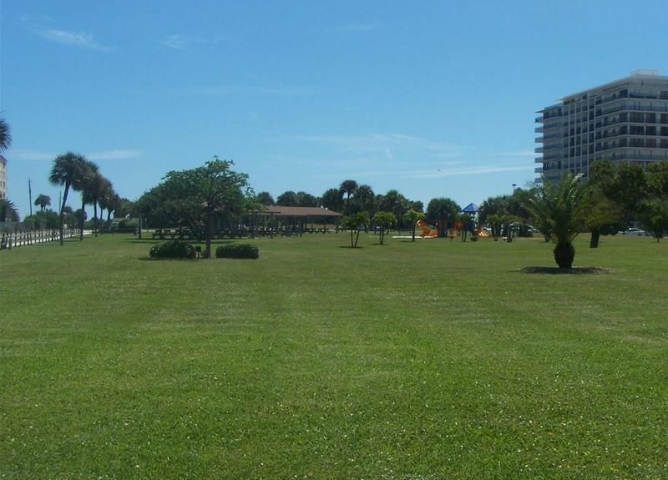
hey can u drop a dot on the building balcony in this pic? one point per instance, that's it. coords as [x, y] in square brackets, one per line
[538, 170]
[538, 150]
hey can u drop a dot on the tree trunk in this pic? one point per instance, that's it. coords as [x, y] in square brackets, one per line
[595, 236]
[82, 221]
[62, 214]
[95, 225]
[209, 232]
[564, 253]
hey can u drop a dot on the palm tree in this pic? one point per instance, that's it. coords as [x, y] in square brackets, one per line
[8, 211]
[42, 201]
[68, 170]
[347, 188]
[88, 185]
[559, 211]
[5, 135]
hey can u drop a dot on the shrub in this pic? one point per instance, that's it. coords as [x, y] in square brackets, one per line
[173, 249]
[237, 250]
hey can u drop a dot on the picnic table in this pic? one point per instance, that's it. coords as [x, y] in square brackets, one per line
[172, 233]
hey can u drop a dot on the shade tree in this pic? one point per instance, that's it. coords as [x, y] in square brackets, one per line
[202, 195]
[442, 212]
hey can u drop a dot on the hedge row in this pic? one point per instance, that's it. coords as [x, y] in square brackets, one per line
[181, 249]
[237, 250]
[173, 249]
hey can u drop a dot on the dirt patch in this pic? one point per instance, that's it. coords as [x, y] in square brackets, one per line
[574, 270]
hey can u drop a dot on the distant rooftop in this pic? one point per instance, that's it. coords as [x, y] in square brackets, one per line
[645, 73]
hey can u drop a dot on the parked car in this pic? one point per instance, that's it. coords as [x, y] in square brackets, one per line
[634, 231]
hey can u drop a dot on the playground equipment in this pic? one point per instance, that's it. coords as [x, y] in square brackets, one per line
[426, 231]
[482, 232]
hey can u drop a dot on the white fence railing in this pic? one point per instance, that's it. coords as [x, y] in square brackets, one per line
[9, 239]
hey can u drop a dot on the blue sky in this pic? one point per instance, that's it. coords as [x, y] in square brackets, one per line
[433, 98]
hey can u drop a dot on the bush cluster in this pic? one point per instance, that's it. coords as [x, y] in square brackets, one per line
[173, 249]
[237, 250]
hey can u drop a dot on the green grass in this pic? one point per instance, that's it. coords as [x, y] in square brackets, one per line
[425, 360]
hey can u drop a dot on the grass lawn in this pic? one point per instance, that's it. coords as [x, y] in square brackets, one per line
[436, 359]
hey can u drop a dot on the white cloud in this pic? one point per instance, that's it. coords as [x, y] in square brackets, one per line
[470, 170]
[397, 145]
[182, 41]
[72, 39]
[96, 156]
[178, 41]
[114, 155]
[20, 154]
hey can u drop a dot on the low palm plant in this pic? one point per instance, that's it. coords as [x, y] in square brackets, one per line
[558, 211]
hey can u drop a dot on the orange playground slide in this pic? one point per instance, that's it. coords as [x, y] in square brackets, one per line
[426, 231]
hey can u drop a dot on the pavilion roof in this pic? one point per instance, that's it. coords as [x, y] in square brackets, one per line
[275, 210]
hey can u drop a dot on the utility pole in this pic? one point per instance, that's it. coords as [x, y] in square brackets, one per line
[30, 196]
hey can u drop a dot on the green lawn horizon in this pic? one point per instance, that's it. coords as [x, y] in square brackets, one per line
[410, 360]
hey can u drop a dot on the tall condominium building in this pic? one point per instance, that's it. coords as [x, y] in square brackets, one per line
[3, 177]
[623, 121]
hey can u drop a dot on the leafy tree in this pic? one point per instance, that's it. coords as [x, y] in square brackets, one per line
[394, 202]
[623, 183]
[42, 201]
[47, 219]
[332, 200]
[126, 208]
[8, 211]
[68, 170]
[654, 211]
[355, 223]
[604, 217]
[197, 195]
[559, 209]
[385, 220]
[493, 212]
[306, 200]
[5, 135]
[416, 205]
[442, 212]
[654, 217]
[287, 199]
[364, 200]
[265, 198]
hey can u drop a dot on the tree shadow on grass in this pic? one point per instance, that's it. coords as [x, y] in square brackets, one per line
[566, 271]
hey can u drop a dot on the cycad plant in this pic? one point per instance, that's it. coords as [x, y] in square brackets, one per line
[558, 211]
